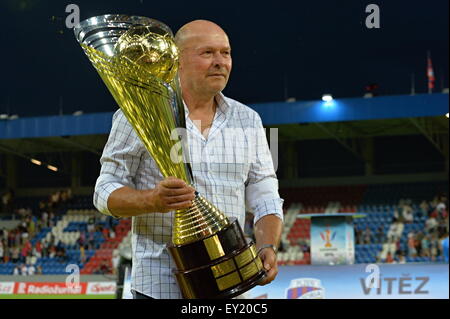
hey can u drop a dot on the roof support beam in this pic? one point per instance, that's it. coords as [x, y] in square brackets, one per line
[79, 145]
[29, 158]
[339, 135]
[429, 130]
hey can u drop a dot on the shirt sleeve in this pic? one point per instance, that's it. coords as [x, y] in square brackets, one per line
[261, 192]
[119, 162]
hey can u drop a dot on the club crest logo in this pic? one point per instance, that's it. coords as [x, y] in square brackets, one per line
[305, 288]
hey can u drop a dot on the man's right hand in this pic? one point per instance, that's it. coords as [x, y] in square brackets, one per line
[171, 194]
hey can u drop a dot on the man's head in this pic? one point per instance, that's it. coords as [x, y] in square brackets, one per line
[205, 58]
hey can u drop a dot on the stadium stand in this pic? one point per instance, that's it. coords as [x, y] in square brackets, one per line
[75, 233]
[381, 236]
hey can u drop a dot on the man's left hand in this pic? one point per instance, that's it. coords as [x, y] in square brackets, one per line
[269, 260]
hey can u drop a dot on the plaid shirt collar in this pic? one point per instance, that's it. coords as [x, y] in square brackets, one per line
[223, 112]
[222, 104]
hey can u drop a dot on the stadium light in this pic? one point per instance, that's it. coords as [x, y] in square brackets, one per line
[327, 97]
[35, 161]
[446, 115]
[52, 168]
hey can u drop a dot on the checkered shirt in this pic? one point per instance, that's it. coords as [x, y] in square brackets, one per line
[232, 169]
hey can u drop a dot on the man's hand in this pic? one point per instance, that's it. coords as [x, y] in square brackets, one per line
[267, 232]
[171, 194]
[269, 260]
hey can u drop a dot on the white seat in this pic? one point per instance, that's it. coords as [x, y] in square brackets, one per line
[292, 255]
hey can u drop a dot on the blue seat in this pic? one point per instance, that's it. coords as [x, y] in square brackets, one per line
[60, 270]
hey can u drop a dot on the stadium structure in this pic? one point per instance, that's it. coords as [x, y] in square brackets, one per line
[385, 158]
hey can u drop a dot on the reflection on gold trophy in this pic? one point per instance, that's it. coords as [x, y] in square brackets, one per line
[137, 59]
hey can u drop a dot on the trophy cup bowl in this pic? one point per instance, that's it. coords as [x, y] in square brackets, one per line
[137, 59]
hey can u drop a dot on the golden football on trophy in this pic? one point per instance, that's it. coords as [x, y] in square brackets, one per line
[151, 50]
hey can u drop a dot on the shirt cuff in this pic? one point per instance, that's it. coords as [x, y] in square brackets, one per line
[101, 196]
[269, 207]
[262, 198]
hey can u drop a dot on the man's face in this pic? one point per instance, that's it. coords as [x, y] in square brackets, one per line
[205, 63]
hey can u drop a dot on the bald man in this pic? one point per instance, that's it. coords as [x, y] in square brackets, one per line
[131, 185]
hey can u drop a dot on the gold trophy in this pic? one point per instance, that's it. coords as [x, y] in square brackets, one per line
[137, 59]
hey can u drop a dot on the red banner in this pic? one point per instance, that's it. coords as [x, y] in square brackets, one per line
[7, 288]
[49, 288]
[101, 288]
[58, 288]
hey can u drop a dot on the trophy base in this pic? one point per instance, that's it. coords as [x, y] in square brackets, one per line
[202, 252]
[240, 289]
[226, 277]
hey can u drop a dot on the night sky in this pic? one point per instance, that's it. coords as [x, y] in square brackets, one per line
[280, 49]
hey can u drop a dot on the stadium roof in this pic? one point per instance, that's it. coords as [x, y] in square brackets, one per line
[343, 119]
[272, 114]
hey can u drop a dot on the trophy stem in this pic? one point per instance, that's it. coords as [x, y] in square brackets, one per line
[180, 121]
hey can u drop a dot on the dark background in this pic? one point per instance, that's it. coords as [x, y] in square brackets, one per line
[281, 49]
[316, 159]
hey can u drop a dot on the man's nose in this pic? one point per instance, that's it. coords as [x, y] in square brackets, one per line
[219, 59]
